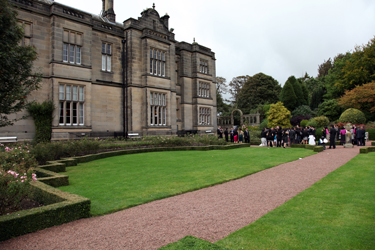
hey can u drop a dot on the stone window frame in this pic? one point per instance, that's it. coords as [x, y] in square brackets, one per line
[107, 56]
[203, 66]
[72, 47]
[157, 66]
[158, 109]
[204, 116]
[203, 89]
[27, 32]
[71, 105]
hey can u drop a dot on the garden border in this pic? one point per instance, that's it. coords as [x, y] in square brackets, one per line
[62, 207]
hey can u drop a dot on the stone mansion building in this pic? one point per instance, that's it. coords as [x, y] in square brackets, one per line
[106, 77]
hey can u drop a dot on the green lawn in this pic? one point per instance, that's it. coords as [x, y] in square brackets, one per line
[124, 181]
[337, 212]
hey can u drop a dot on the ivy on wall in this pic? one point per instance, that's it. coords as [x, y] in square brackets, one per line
[42, 115]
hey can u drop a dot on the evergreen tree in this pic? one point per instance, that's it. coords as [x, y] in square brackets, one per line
[16, 77]
[297, 91]
[288, 97]
[305, 93]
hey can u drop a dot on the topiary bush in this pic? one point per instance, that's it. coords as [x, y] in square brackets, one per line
[321, 121]
[312, 122]
[303, 123]
[354, 116]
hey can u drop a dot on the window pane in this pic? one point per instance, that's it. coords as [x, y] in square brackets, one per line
[67, 113]
[163, 58]
[75, 114]
[159, 99]
[81, 94]
[61, 120]
[155, 115]
[152, 109]
[150, 66]
[68, 91]
[159, 68]
[61, 92]
[154, 66]
[109, 63]
[156, 99]
[163, 69]
[65, 52]
[163, 99]
[164, 116]
[81, 113]
[103, 48]
[104, 62]
[71, 53]
[150, 53]
[108, 49]
[152, 99]
[78, 55]
[75, 93]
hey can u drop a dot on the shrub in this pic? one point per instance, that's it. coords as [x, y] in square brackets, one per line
[278, 115]
[353, 116]
[16, 171]
[303, 123]
[331, 109]
[321, 121]
[263, 124]
[302, 110]
[312, 122]
[296, 120]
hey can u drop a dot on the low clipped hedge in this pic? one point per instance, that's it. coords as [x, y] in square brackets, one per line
[60, 207]
[308, 146]
[373, 143]
[365, 150]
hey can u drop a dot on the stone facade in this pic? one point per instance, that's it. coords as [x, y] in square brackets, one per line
[80, 56]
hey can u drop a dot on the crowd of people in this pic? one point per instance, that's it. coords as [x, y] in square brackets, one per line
[279, 137]
[237, 135]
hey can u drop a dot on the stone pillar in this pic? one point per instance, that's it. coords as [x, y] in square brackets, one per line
[348, 136]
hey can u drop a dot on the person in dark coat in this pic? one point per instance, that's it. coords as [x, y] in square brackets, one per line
[247, 136]
[231, 135]
[361, 136]
[292, 135]
[332, 136]
[285, 137]
[226, 133]
[270, 137]
[279, 135]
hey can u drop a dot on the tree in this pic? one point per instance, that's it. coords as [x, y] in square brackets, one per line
[316, 97]
[288, 97]
[362, 98]
[278, 115]
[297, 91]
[305, 93]
[330, 109]
[17, 80]
[324, 68]
[258, 89]
[235, 87]
[221, 88]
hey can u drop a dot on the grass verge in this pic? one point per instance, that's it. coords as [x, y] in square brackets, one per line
[124, 181]
[337, 212]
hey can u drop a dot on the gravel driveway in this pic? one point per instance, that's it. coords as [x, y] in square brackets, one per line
[211, 213]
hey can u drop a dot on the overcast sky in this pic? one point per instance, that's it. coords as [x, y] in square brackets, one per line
[277, 37]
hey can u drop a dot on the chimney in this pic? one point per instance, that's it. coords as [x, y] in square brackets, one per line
[108, 11]
[165, 19]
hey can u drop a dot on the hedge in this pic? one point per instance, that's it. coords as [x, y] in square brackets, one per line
[365, 150]
[60, 207]
[371, 134]
[308, 146]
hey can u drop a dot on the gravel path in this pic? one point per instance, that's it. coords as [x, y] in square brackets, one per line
[211, 213]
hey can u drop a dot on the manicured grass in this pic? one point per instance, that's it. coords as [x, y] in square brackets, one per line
[124, 181]
[337, 212]
[192, 243]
